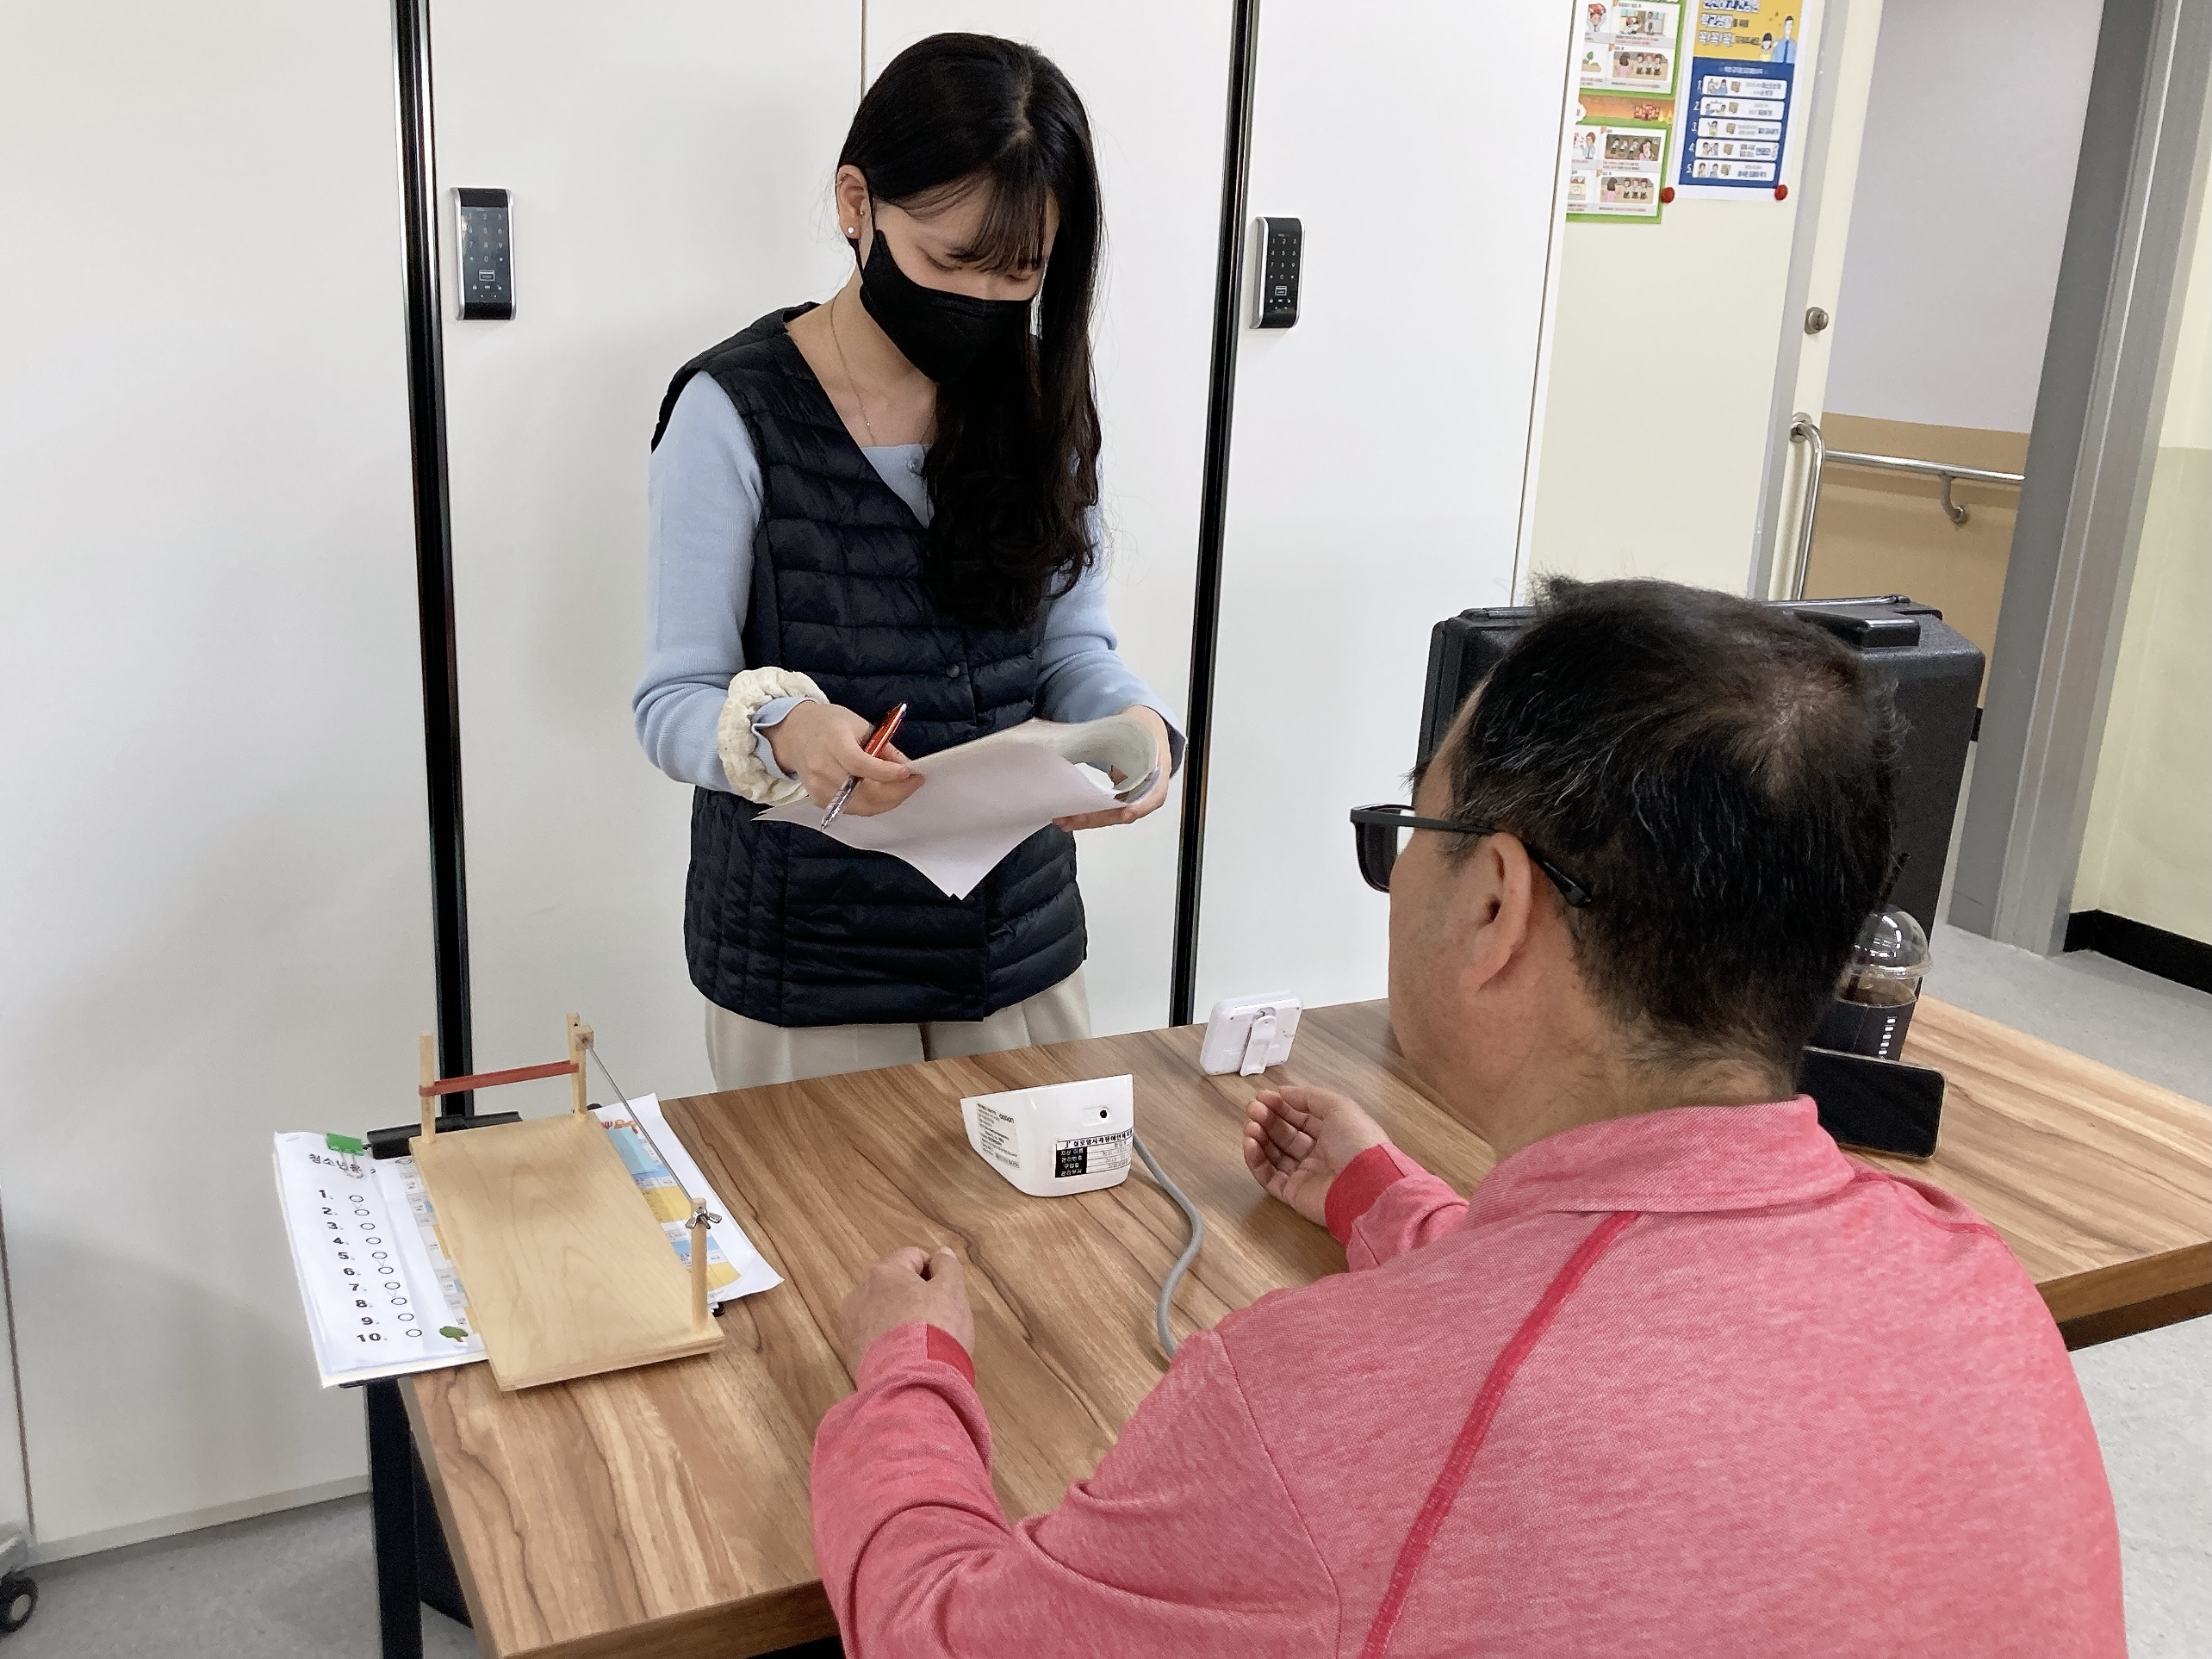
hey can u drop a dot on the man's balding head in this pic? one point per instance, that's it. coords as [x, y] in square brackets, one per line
[1719, 774]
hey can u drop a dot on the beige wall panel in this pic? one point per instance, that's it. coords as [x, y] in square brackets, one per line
[1885, 532]
[2147, 852]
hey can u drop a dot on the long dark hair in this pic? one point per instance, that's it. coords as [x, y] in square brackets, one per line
[1013, 470]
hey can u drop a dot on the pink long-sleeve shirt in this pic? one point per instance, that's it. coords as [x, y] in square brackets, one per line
[1688, 1383]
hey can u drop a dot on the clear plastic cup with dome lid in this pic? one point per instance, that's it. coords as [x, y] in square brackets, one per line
[1878, 988]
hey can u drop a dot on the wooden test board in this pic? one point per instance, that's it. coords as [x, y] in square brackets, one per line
[566, 1272]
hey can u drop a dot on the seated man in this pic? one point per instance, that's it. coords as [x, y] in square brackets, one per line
[1679, 1378]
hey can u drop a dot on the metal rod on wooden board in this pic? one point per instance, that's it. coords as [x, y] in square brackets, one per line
[698, 1224]
[1213, 504]
[622, 1098]
[433, 528]
[428, 1050]
[1804, 430]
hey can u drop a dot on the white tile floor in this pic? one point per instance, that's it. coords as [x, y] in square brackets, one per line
[300, 1584]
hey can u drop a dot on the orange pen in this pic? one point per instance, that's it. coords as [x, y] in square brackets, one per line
[885, 728]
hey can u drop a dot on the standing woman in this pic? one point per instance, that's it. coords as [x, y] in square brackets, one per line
[893, 498]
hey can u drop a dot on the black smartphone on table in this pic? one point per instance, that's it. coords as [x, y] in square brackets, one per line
[1876, 1105]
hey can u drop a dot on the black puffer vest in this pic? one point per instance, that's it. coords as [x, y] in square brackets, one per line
[786, 926]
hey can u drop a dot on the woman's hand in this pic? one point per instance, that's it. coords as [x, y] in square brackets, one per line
[1297, 1141]
[820, 744]
[1149, 802]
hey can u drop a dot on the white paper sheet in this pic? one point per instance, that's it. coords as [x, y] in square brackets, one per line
[381, 1299]
[982, 800]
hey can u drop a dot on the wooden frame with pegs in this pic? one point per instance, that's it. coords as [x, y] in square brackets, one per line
[567, 1270]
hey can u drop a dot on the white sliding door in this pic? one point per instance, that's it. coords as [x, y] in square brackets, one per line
[670, 168]
[1153, 76]
[214, 889]
[1380, 446]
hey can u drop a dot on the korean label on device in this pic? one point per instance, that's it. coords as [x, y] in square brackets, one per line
[1089, 1155]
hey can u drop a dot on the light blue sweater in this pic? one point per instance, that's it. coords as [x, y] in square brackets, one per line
[705, 507]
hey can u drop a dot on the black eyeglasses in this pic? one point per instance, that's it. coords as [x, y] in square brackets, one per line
[1374, 833]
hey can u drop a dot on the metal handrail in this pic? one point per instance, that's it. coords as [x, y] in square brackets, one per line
[1805, 430]
[1940, 470]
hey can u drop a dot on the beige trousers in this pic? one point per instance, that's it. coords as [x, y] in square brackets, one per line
[747, 1053]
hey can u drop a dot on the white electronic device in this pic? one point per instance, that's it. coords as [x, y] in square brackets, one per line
[1247, 1034]
[1060, 1138]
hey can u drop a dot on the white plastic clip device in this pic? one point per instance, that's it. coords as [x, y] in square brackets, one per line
[1247, 1034]
[1064, 1137]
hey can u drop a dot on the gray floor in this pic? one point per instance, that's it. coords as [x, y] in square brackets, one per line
[300, 1586]
[2151, 1395]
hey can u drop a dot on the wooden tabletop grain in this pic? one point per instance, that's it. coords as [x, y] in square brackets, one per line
[661, 1513]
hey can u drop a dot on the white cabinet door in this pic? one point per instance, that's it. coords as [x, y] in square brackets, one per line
[1153, 76]
[1382, 447]
[669, 166]
[213, 887]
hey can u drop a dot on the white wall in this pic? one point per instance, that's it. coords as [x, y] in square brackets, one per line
[1963, 185]
[212, 864]
[1153, 76]
[1380, 446]
[669, 168]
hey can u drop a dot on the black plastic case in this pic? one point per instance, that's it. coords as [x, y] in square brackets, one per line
[1935, 669]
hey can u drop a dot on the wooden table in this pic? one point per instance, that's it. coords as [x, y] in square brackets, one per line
[663, 1511]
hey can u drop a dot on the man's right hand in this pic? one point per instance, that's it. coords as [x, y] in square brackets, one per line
[821, 745]
[1297, 1141]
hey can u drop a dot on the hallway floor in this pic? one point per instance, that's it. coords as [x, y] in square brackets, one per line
[300, 1584]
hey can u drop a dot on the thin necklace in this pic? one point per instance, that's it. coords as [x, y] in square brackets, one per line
[838, 341]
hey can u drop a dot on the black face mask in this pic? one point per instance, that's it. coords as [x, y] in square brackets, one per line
[941, 335]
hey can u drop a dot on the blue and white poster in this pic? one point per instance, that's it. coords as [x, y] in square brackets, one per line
[1736, 100]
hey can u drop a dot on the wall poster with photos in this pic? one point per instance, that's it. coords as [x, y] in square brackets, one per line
[1618, 149]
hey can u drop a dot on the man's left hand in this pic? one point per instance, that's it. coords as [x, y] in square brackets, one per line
[906, 1285]
[1150, 801]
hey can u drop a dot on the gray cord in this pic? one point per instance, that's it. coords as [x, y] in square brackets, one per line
[1190, 1251]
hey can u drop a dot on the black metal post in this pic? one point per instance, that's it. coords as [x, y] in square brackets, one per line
[391, 1508]
[1213, 504]
[433, 524]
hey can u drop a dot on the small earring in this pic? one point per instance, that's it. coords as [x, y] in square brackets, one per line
[852, 232]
